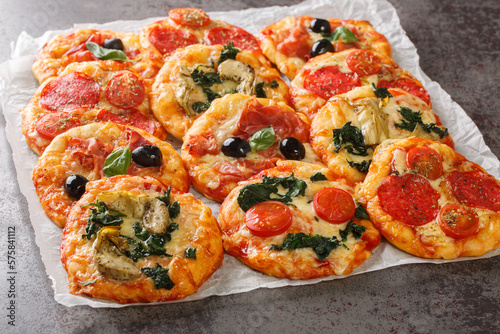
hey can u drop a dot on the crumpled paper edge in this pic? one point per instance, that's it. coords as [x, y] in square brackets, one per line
[233, 277]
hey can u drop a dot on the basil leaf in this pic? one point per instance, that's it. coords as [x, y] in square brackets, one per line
[107, 54]
[344, 33]
[262, 139]
[117, 162]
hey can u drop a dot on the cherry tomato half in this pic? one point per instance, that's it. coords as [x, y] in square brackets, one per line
[268, 218]
[458, 221]
[334, 205]
[426, 161]
[52, 124]
[189, 17]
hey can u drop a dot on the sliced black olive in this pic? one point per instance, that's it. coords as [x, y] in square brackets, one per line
[321, 26]
[113, 43]
[75, 185]
[321, 46]
[147, 156]
[235, 147]
[292, 149]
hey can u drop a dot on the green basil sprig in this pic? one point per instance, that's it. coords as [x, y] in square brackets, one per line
[344, 33]
[262, 139]
[117, 162]
[107, 54]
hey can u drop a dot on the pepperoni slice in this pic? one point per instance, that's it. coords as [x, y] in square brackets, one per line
[363, 62]
[52, 124]
[334, 205]
[268, 218]
[130, 117]
[125, 90]
[329, 81]
[409, 198]
[189, 17]
[167, 39]
[240, 38]
[71, 91]
[425, 161]
[411, 86]
[458, 221]
[476, 189]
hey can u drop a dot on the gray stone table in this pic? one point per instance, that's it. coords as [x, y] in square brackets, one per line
[459, 47]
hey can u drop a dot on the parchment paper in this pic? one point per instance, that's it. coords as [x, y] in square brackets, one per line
[17, 85]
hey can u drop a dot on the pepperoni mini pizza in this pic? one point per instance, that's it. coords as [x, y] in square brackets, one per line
[237, 137]
[346, 130]
[331, 74]
[297, 220]
[90, 152]
[88, 92]
[291, 42]
[429, 201]
[131, 239]
[193, 77]
[187, 26]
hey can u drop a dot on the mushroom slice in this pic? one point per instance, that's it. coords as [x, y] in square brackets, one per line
[155, 219]
[239, 72]
[126, 202]
[108, 255]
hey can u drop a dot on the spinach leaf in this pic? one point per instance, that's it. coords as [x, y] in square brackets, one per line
[190, 253]
[259, 88]
[159, 276]
[412, 118]
[149, 243]
[207, 79]
[229, 52]
[355, 229]
[351, 138]
[199, 106]
[211, 95]
[322, 246]
[101, 216]
[361, 166]
[341, 32]
[381, 92]
[117, 162]
[262, 139]
[318, 177]
[107, 54]
[360, 212]
[267, 190]
[173, 209]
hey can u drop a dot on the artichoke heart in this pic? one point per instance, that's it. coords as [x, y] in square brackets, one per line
[109, 256]
[187, 91]
[239, 72]
[373, 122]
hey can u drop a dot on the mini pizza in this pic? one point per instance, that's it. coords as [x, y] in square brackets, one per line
[187, 26]
[291, 42]
[193, 77]
[430, 201]
[130, 239]
[105, 45]
[297, 220]
[88, 92]
[331, 74]
[96, 150]
[347, 129]
[239, 136]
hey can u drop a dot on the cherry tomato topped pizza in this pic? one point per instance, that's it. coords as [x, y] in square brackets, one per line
[190, 17]
[430, 201]
[297, 220]
[292, 41]
[84, 93]
[331, 74]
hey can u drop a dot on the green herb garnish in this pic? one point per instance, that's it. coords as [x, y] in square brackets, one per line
[107, 54]
[229, 52]
[117, 162]
[341, 32]
[262, 139]
[381, 92]
[150, 243]
[318, 177]
[200, 107]
[351, 138]
[259, 88]
[207, 79]
[412, 118]
[355, 229]
[190, 253]
[89, 282]
[360, 212]
[173, 209]
[159, 276]
[101, 216]
[361, 166]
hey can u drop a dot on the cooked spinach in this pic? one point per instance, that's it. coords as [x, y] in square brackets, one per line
[229, 52]
[318, 177]
[259, 88]
[159, 276]
[101, 216]
[351, 138]
[360, 212]
[381, 92]
[412, 118]
[355, 229]
[361, 166]
[190, 253]
[150, 243]
[173, 209]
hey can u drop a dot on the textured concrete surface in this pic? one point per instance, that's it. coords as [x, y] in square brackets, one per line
[459, 47]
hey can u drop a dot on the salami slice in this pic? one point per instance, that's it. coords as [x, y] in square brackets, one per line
[125, 90]
[240, 38]
[409, 198]
[71, 91]
[167, 39]
[52, 124]
[131, 117]
[329, 81]
[476, 189]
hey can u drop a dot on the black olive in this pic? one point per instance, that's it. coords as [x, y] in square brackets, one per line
[292, 149]
[147, 156]
[75, 185]
[321, 46]
[235, 147]
[321, 26]
[113, 43]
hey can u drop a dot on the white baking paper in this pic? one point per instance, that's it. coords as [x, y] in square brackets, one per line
[17, 84]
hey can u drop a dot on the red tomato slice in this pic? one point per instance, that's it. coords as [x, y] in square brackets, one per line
[475, 188]
[411, 86]
[129, 117]
[334, 205]
[426, 161]
[125, 90]
[268, 218]
[167, 40]
[71, 91]
[329, 81]
[363, 62]
[240, 38]
[52, 124]
[458, 221]
[189, 17]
